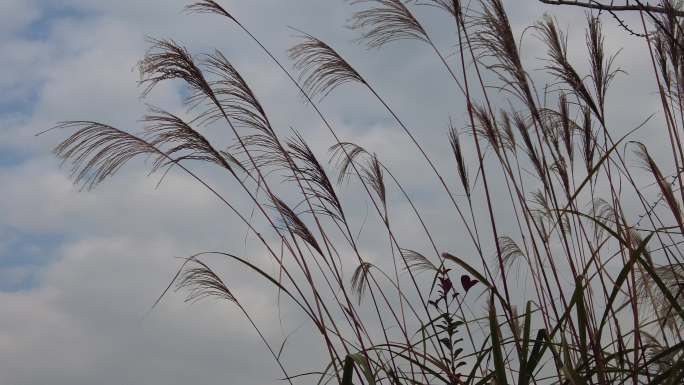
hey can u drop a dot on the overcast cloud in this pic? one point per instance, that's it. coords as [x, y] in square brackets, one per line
[79, 270]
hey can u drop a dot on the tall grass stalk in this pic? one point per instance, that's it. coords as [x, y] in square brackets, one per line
[551, 193]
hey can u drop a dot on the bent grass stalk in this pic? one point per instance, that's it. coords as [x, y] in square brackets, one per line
[607, 290]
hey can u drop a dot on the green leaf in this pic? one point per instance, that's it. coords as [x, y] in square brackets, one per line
[485, 380]
[482, 354]
[672, 375]
[582, 323]
[497, 352]
[634, 255]
[661, 285]
[536, 354]
[347, 370]
[568, 369]
[600, 162]
[524, 375]
[414, 357]
[362, 363]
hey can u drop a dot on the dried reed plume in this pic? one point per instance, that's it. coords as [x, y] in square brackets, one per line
[321, 68]
[587, 287]
[386, 21]
[98, 151]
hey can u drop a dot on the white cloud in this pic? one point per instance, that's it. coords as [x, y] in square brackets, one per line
[84, 323]
[16, 14]
[87, 323]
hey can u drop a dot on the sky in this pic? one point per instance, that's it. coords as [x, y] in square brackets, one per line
[79, 270]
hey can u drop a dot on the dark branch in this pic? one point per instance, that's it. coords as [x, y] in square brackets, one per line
[638, 6]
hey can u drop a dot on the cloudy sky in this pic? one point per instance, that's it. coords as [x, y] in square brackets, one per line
[79, 270]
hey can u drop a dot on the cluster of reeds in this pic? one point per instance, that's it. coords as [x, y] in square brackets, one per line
[599, 248]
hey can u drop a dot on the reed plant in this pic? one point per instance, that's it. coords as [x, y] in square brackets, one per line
[541, 183]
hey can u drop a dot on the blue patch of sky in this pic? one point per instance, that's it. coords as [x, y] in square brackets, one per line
[27, 253]
[26, 93]
[12, 112]
[16, 280]
[20, 100]
[24, 254]
[50, 13]
[12, 157]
